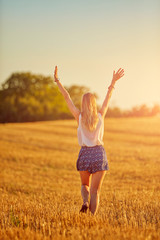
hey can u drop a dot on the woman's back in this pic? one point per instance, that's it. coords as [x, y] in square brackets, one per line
[91, 138]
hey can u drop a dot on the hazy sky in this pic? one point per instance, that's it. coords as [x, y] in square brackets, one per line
[87, 40]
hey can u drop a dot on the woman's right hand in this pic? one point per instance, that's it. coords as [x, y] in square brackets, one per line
[55, 74]
[117, 75]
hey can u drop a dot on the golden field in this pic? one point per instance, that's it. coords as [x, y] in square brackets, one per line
[40, 187]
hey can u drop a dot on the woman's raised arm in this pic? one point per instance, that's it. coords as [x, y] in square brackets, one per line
[116, 76]
[75, 111]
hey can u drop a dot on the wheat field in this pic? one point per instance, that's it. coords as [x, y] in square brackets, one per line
[40, 187]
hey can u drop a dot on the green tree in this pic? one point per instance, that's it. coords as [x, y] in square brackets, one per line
[76, 93]
[30, 97]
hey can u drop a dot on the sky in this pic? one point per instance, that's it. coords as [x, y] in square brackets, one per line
[87, 40]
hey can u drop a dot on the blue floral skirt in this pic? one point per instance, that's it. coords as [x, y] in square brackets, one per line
[92, 159]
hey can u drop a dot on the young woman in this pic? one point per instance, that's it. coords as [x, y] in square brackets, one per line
[92, 159]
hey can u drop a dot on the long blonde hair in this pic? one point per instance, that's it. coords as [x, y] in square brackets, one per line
[89, 111]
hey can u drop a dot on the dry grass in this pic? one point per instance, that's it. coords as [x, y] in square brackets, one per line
[40, 187]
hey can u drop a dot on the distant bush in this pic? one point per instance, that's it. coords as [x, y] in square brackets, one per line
[142, 111]
[137, 111]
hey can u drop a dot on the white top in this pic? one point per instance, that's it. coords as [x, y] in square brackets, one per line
[88, 138]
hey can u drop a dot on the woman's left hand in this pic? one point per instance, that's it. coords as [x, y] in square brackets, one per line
[55, 74]
[118, 75]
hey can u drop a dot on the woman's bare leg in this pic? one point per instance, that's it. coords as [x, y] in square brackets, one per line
[97, 179]
[85, 177]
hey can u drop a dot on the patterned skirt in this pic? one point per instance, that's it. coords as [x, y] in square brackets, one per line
[92, 159]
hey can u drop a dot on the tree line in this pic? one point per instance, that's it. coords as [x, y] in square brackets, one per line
[28, 97]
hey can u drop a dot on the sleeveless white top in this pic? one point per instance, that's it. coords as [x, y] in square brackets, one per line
[88, 138]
